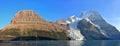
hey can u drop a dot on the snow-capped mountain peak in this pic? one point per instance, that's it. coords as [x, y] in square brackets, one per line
[92, 15]
[72, 19]
[91, 26]
[73, 16]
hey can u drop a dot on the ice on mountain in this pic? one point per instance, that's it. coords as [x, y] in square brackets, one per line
[74, 32]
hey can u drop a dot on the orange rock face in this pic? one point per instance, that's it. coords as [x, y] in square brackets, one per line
[61, 21]
[29, 19]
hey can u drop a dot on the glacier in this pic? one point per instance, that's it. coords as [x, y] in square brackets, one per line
[74, 32]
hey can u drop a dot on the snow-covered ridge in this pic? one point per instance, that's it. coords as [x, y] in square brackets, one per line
[92, 15]
[73, 19]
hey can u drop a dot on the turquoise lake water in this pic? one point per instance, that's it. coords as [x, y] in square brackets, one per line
[62, 43]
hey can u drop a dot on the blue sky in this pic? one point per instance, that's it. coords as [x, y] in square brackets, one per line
[53, 10]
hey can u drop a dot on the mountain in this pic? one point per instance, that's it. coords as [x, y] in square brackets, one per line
[91, 26]
[96, 20]
[89, 31]
[27, 25]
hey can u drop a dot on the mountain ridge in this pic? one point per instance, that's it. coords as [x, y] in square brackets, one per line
[92, 22]
[26, 23]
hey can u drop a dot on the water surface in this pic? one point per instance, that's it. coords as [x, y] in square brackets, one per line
[62, 43]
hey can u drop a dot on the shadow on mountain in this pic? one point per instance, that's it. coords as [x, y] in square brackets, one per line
[31, 38]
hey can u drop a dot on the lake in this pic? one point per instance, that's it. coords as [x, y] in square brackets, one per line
[62, 43]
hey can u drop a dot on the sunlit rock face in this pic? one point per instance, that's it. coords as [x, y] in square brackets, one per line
[27, 17]
[61, 21]
[28, 23]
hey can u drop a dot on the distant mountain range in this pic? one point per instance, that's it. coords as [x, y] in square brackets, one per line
[27, 25]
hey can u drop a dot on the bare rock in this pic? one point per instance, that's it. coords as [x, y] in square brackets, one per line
[27, 21]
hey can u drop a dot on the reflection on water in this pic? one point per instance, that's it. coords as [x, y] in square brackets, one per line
[63, 43]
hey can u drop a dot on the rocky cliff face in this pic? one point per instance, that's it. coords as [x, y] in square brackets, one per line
[91, 26]
[27, 17]
[89, 31]
[105, 28]
[28, 23]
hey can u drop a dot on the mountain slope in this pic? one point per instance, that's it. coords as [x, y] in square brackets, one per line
[89, 31]
[91, 26]
[27, 23]
[105, 28]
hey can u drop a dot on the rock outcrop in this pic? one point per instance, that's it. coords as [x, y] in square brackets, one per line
[89, 31]
[61, 22]
[28, 23]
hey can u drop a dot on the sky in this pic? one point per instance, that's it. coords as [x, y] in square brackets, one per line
[52, 10]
